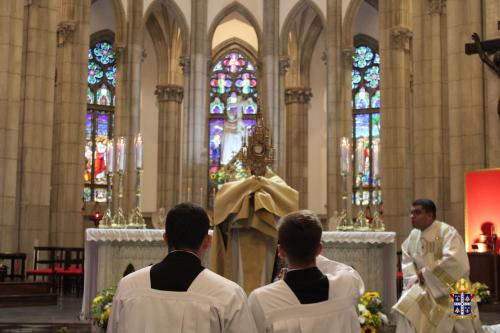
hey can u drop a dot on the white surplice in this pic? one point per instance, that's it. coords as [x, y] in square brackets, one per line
[276, 309]
[439, 253]
[211, 304]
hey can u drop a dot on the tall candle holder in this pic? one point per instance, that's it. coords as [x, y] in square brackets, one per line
[345, 224]
[107, 219]
[119, 220]
[136, 220]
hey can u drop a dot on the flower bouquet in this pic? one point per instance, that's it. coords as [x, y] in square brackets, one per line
[481, 292]
[371, 315]
[101, 307]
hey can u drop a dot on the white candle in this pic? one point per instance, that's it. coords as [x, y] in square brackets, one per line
[110, 156]
[344, 155]
[139, 149]
[201, 196]
[376, 170]
[189, 194]
[121, 153]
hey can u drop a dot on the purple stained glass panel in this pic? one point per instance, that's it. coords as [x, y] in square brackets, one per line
[88, 126]
[216, 127]
[362, 99]
[375, 103]
[217, 107]
[250, 107]
[104, 53]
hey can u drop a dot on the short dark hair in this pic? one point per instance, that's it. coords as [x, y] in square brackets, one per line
[427, 204]
[299, 234]
[186, 226]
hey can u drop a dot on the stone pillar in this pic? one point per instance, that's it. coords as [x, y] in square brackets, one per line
[396, 163]
[270, 78]
[69, 119]
[195, 154]
[169, 125]
[466, 104]
[36, 119]
[11, 48]
[429, 111]
[128, 94]
[334, 113]
[296, 100]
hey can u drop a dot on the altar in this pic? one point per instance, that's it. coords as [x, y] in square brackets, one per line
[108, 252]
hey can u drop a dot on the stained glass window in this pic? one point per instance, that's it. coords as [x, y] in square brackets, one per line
[366, 126]
[232, 111]
[101, 79]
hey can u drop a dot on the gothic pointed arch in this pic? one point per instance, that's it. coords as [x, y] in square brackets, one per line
[237, 7]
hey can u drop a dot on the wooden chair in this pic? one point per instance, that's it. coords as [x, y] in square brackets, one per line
[46, 260]
[70, 276]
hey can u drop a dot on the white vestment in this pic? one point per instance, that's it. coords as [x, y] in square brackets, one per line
[276, 309]
[211, 304]
[439, 253]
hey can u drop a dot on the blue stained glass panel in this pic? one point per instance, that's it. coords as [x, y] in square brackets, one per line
[376, 100]
[361, 125]
[88, 126]
[372, 77]
[356, 78]
[111, 75]
[250, 107]
[216, 127]
[103, 96]
[217, 107]
[104, 53]
[362, 57]
[375, 125]
[218, 66]
[94, 73]
[362, 99]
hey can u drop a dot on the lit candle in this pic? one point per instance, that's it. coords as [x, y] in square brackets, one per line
[376, 170]
[121, 154]
[110, 156]
[344, 155]
[139, 149]
[201, 196]
[189, 194]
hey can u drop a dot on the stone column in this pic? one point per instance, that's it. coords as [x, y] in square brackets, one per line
[466, 104]
[169, 125]
[396, 163]
[334, 113]
[69, 119]
[296, 100]
[195, 156]
[270, 78]
[429, 111]
[11, 48]
[128, 95]
[36, 119]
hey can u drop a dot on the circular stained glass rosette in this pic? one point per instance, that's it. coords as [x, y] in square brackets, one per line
[356, 78]
[362, 56]
[246, 83]
[111, 75]
[372, 76]
[104, 53]
[234, 62]
[94, 73]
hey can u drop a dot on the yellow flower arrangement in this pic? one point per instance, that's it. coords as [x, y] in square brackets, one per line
[481, 292]
[371, 312]
[101, 307]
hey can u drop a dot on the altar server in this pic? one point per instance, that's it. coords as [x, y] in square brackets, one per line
[433, 259]
[179, 294]
[316, 294]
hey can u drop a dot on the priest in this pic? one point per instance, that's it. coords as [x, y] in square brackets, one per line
[179, 294]
[433, 260]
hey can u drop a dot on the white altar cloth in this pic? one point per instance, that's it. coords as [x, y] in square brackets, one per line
[109, 251]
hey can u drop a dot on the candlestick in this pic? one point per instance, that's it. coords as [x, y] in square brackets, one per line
[376, 151]
[344, 155]
[139, 149]
[136, 220]
[110, 156]
[121, 154]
